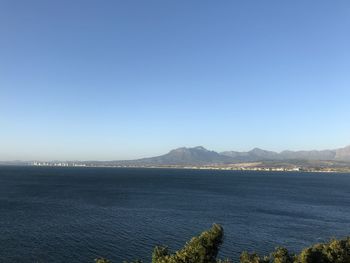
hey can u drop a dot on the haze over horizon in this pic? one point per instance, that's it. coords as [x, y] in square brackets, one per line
[201, 148]
[113, 80]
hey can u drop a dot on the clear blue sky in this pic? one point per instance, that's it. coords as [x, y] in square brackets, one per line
[126, 79]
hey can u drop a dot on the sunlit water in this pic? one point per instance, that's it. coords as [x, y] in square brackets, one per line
[78, 214]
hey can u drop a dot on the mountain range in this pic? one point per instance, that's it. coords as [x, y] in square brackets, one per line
[201, 156]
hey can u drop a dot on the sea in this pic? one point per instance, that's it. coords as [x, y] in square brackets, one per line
[61, 214]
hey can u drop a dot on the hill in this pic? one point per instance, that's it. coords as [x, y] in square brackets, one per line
[200, 156]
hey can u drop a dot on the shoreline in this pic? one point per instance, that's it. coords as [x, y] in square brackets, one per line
[234, 169]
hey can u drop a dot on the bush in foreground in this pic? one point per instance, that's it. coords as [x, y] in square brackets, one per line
[205, 247]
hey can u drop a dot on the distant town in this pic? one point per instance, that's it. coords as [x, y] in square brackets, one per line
[233, 167]
[63, 164]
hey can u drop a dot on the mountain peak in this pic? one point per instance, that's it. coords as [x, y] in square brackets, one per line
[256, 149]
[188, 149]
[189, 155]
[201, 148]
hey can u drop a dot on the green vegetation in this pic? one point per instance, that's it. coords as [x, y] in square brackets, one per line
[102, 260]
[205, 248]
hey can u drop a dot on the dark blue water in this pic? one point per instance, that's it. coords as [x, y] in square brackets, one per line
[77, 214]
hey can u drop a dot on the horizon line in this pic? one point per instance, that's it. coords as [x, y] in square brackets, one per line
[183, 147]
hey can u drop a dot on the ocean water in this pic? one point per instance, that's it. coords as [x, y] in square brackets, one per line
[78, 214]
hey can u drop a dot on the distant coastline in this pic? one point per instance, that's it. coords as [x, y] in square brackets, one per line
[327, 161]
[256, 167]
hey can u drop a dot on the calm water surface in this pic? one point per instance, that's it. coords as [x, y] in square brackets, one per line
[77, 214]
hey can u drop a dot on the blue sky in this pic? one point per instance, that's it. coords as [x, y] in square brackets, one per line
[110, 80]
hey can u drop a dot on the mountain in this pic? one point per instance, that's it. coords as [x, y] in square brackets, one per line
[197, 156]
[343, 154]
[201, 156]
[254, 155]
[185, 156]
[308, 155]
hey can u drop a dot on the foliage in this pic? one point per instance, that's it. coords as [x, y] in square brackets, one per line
[201, 249]
[252, 258]
[102, 260]
[281, 255]
[336, 251]
[205, 247]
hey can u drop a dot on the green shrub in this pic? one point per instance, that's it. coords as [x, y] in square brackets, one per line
[201, 249]
[205, 247]
[252, 258]
[281, 255]
[336, 251]
[102, 260]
